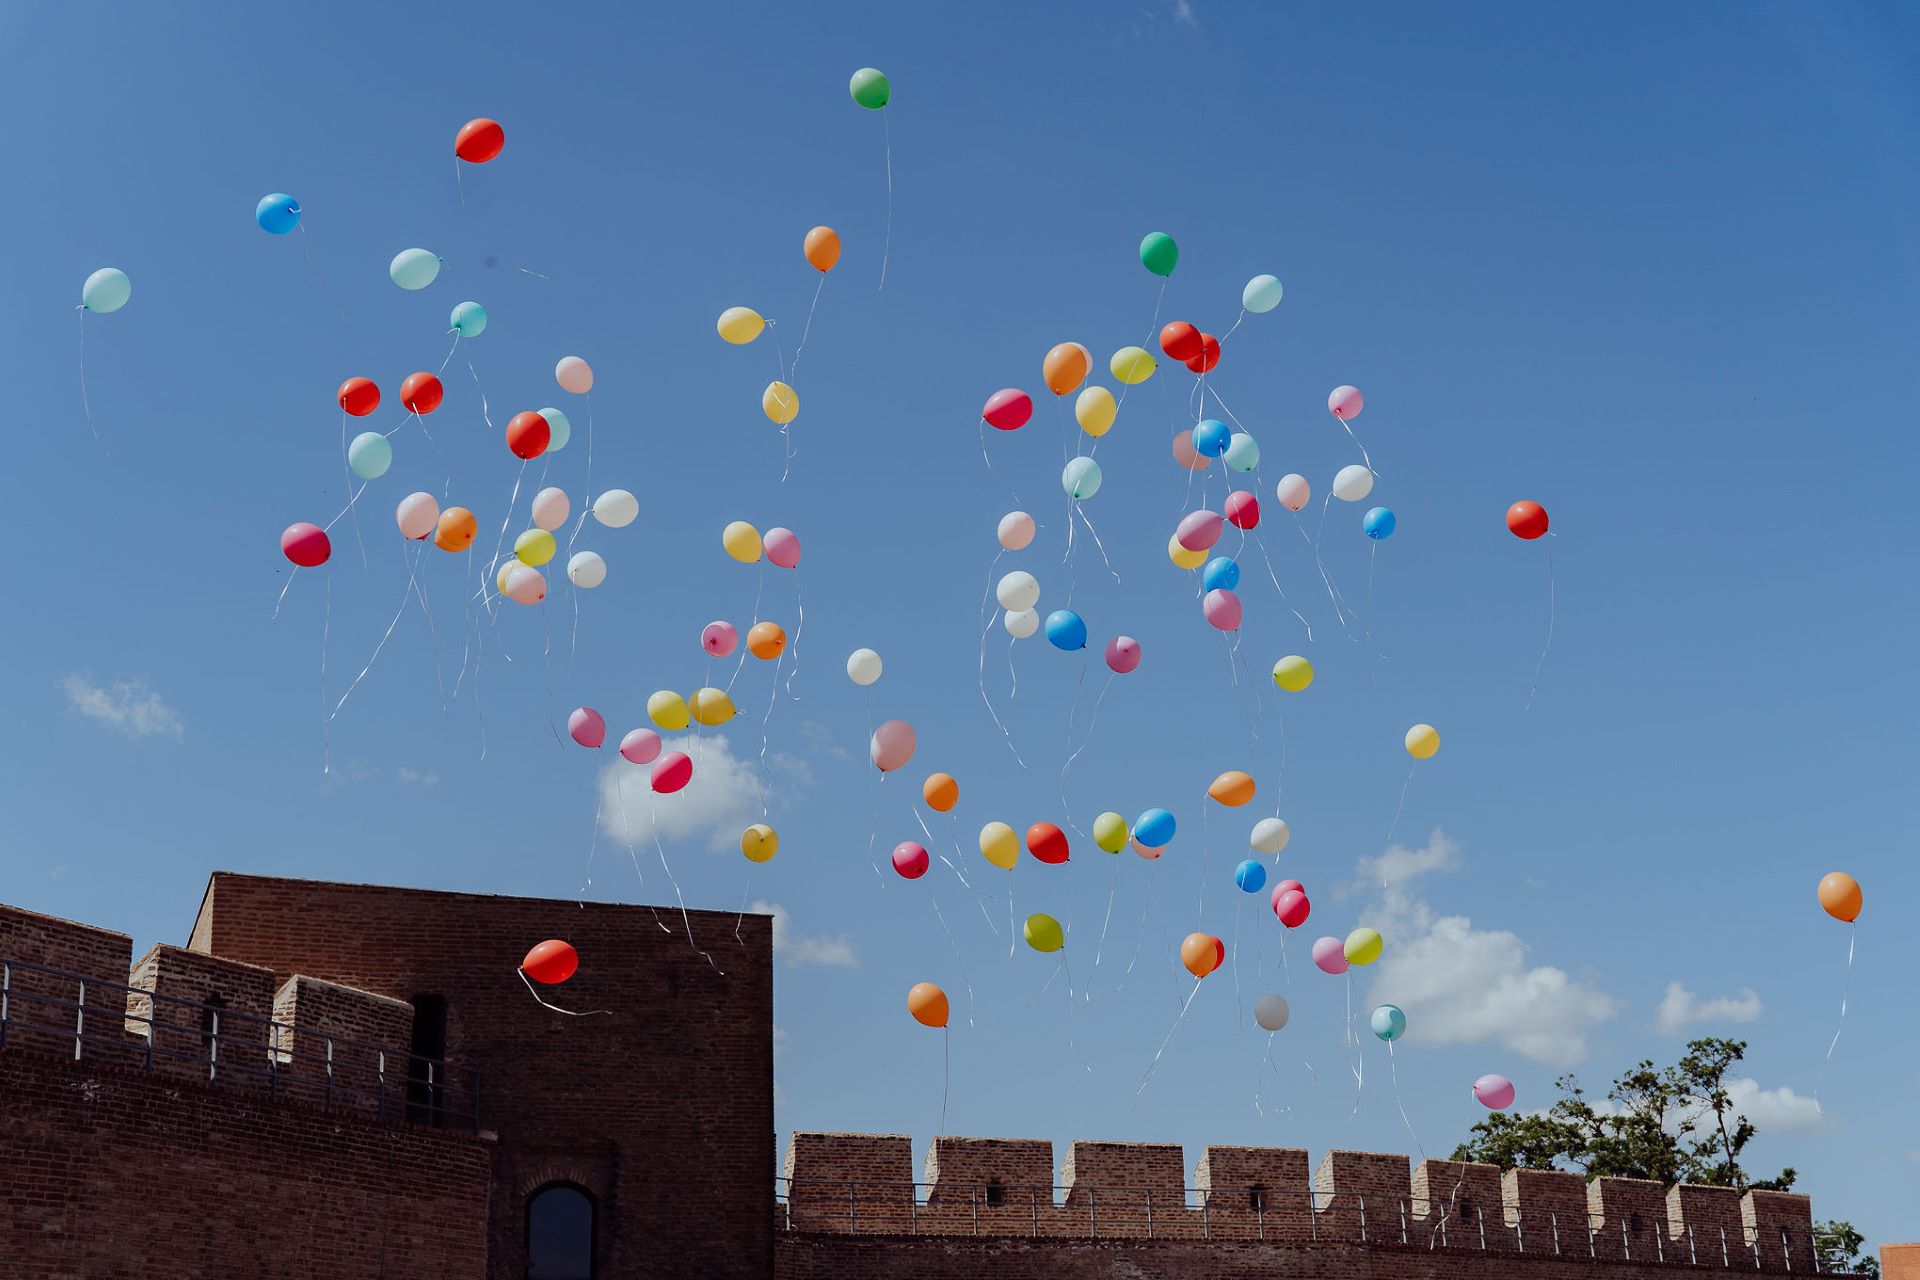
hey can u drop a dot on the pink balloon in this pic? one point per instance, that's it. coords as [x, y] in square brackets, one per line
[574, 374]
[525, 585]
[1243, 509]
[1330, 954]
[587, 727]
[1292, 907]
[550, 509]
[1494, 1092]
[782, 547]
[1186, 455]
[1016, 530]
[417, 515]
[1198, 530]
[1148, 851]
[1293, 491]
[1287, 886]
[910, 860]
[1008, 409]
[1345, 403]
[1123, 654]
[672, 772]
[892, 745]
[640, 746]
[719, 638]
[1222, 609]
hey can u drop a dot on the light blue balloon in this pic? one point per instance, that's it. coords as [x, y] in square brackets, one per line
[1221, 574]
[1065, 630]
[557, 424]
[469, 320]
[1081, 479]
[1210, 438]
[370, 455]
[106, 290]
[413, 268]
[1154, 828]
[1250, 876]
[1242, 453]
[1389, 1023]
[1261, 295]
[277, 214]
[1378, 523]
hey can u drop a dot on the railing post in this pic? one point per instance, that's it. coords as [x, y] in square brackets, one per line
[213, 1044]
[80, 1020]
[1693, 1257]
[1260, 1213]
[6, 999]
[1626, 1241]
[853, 1210]
[913, 1209]
[329, 1098]
[974, 1195]
[1149, 1213]
[1313, 1219]
[1206, 1219]
[1446, 1218]
[1591, 1251]
[1754, 1244]
[1033, 1207]
[1554, 1214]
[380, 1066]
[273, 1062]
[1363, 1218]
[1093, 1215]
[1659, 1245]
[1403, 1222]
[1479, 1213]
[1725, 1259]
[1786, 1251]
[1520, 1230]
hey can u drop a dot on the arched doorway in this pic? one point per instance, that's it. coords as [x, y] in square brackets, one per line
[560, 1229]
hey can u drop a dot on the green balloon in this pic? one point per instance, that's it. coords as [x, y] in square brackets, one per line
[1158, 253]
[469, 319]
[869, 88]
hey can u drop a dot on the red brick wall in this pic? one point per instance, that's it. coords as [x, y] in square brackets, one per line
[663, 1111]
[183, 1037]
[112, 1174]
[344, 1047]
[100, 954]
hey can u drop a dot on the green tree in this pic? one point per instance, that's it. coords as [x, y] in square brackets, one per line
[1836, 1246]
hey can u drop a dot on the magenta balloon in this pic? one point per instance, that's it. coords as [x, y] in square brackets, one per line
[641, 746]
[1330, 954]
[910, 860]
[586, 727]
[1293, 908]
[417, 515]
[892, 745]
[719, 638]
[1198, 530]
[1008, 409]
[1494, 1092]
[1242, 509]
[782, 547]
[1345, 403]
[672, 772]
[1222, 609]
[1123, 654]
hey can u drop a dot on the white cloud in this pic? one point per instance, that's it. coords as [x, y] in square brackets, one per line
[1462, 985]
[1183, 13]
[721, 800]
[128, 707]
[796, 950]
[1774, 1110]
[1681, 1009]
[427, 779]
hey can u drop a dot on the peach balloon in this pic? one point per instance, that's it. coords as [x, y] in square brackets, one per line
[822, 248]
[455, 530]
[766, 640]
[416, 515]
[892, 745]
[941, 792]
[1065, 368]
[928, 1004]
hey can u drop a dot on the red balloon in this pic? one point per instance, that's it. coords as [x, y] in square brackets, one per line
[1180, 340]
[1047, 843]
[528, 434]
[479, 140]
[359, 396]
[422, 393]
[1243, 509]
[1008, 409]
[1293, 908]
[306, 545]
[1527, 520]
[551, 962]
[1207, 356]
[910, 859]
[1287, 886]
[671, 772]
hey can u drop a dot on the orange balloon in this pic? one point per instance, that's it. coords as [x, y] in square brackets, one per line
[767, 640]
[928, 1004]
[822, 248]
[456, 529]
[1065, 368]
[1232, 788]
[940, 791]
[551, 962]
[1202, 953]
[1840, 896]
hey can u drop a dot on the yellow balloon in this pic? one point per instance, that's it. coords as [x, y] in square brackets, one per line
[742, 541]
[1094, 410]
[500, 578]
[1363, 946]
[1182, 557]
[1293, 673]
[1423, 740]
[740, 325]
[999, 845]
[1043, 933]
[668, 710]
[1110, 832]
[1132, 365]
[535, 547]
[781, 402]
[759, 842]
[712, 706]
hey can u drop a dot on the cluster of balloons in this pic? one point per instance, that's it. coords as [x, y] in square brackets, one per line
[672, 770]
[739, 326]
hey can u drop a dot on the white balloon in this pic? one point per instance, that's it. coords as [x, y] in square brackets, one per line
[1270, 836]
[1018, 591]
[1352, 483]
[574, 374]
[551, 509]
[1021, 623]
[616, 508]
[1293, 491]
[1270, 1012]
[1016, 530]
[863, 667]
[586, 570]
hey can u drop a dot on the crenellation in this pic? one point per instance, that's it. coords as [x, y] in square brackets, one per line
[1261, 1193]
[1364, 1195]
[1547, 1209]
[1126, 1188]
[1456, 1201]
[1628, 1217]
[1780, 1223]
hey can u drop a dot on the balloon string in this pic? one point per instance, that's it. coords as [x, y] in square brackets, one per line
[773, 696]
[1237, 322]
[1333, 593]
[992, 470]
[1846, 983]
[326, 733]
[1356, 440]
[86, 406]
[328, 526]
[1552, 608]
[426, 610]
[347, 462]
[1398, 810]
[451, 348]
[998, 723]
[405, 594]
[284, 588]
[1141, 936]
[1146, 345]
[685, 919]
[1011, 936]
[1394, 1072]
[1373, 558]
[1169, 1039]
[934, 901]
[800, 603]
[589, 439]
[793, 370]
[459, 185]
[1274, 578]
[1233, 964]
[946, 1067]
[1359, 1065]
[633, 855]
[593, 844]
[513, 500]
[1088, 521]
[759, 585]
[556, 1008]
[1113, 886]
[1013, 676]
[1092, 722]
[886, 253]
[950, 865]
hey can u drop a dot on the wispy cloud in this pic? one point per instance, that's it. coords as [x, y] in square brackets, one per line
[414, 776]
[720, 801]
[131, 708]
[1183, 13]
[796, 950]
[1681, 1009]
[1779, 1110]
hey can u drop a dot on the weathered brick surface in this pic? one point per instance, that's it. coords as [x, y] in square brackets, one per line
[174, 990]
[1363, 1195]
[40, 1008]
[1629, 1218]
[1256, 1192]
[850, 1181]
[343, 1046]
[1459, 1203]
[1782, 1222]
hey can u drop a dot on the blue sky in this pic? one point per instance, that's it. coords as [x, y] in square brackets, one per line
[1652, 267]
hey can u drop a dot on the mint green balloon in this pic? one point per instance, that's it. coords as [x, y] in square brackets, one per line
[1081, 478]
[370, 455]
[870, 88]
[561, 430]
[413, 268]
[1261, 295]
[469, 319]
[106, 290]
[1243, 454]
[1158, 253]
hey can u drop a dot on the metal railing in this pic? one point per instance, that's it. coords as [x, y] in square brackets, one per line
[1457, 1224]
[91, 1019]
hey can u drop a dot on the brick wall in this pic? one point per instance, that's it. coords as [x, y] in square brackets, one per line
[173, 987]
[345, 1044]
[38, 1000]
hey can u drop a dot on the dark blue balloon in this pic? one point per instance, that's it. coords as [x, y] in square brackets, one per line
[277, 214]
[1378, 523]
[1211, 438]
[1221, 574]
[1065, 630]
[1154, 828]
[1250, 876]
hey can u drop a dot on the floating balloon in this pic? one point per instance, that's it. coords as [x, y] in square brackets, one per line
[416, 516]
[523, 585]
[561, 427]
[1378, 523]
[671, 772]
[1095, 409]
[574, 375]
[999, 845]
[1493, 1092]
[1199, 530]
[535, 547]
[1330, 955]
[616, 508]
[1043, 933]
[1017, 590]
[1287, 886]
[1423, 740]
[1352, 483]
[1250, 876]
[586, 570]
[740, 325]
[1211, 438]
[1388, 1022]
[455, 530]
[892, 745]
[277, 214]
[370, 455]
[1154, 828]
[479, 140]
[1080, 478]
[1270, 836]
[1016, 530]
[1151, 852]
[711, 707]
[941, 792]
[1065, 367]
[1242, 452]
[782, 548]
[1123, 655]
[550, 509]
[413, 269]
[1110, 833]
[587, 727]
[668, 710]
[780, 402]
[1292, 907]
[1242, 509]
[822, 247]
[1209, 354]
[1221, 609]
[1021, 623]
[1232, 788]
[468, 319]
[1066, 630]
[719, 639]
[758, 842]
[1158, 253]
[870, 88]
[359, 396]
[1345, 403]
[421, 393]
[1261, 295]
[1270, 1013]
[1202, 953]
[1181, 557]
[1180, 340]
[928, 1004]
[105, 290]
[1293, 673]
[307, 545]
[1008, 409]
[741, 541]
[1839, 896]
[1293, 491]
[1132, 365]
[528, 435]
[1222, 573]
[1047, 843]
[1527, 520]
[551, 963]
[766, 640]
[910, 859]
[863, 667]
[642, 746]
[1363, 946]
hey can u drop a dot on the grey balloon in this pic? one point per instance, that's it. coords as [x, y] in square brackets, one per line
[1270, 1012]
